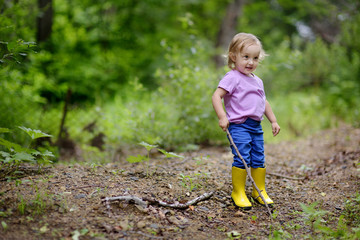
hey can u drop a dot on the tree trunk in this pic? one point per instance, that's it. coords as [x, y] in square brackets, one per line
[228, 29]
[44, 20]
[328, 29]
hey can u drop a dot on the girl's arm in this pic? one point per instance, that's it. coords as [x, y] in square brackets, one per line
[218, 107]
[272, 119]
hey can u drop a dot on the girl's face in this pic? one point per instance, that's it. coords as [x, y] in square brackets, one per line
[247, 60]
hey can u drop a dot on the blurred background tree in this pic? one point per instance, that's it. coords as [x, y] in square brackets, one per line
[145, 70]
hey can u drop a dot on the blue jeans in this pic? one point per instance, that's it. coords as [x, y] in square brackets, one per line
[248, 138]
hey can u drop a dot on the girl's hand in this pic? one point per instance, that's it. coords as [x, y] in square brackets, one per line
[218, 107]
[275, 128]
[224, 123]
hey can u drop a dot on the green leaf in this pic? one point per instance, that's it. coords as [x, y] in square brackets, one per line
[4, 130]
[11, 46]
[4, 154]
[75, 235]
[34, 134]
[44, 229]
[4, 225]
[147, 146]
[233, 235]
[23, 156]
[11, 146]
[138, 158]
[34, 152]
[7, 158]
[84, 231]
[47, 153]
[29, 43]
[170, 154]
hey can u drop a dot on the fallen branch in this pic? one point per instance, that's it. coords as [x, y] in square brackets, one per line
[130, 198]
[182, 205]
[144, 202]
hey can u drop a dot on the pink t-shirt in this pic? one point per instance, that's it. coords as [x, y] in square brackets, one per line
[245, 97]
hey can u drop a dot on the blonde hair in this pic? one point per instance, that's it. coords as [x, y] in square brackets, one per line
[239, 42]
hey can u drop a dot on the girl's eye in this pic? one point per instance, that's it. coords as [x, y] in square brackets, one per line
[246, 57]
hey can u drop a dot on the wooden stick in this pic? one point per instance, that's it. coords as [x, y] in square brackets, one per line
[137, 200]
[146, 201]
[248, 171]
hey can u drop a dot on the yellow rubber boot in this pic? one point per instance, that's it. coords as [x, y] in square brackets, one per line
[258, 174]
[238, 194]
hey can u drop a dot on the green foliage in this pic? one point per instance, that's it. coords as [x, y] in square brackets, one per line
[34, 134]
[20, 104]
[4, 225]
[16, 154]
[17, 20]
[180, 111]
[321, 223]
[313, 216]
[188, 182]
[77, 234]
[321, 75]
[137, 159]
[14, 52]
[143, 69]
[110, 44]
[16, 91]
[169, 154]
[147, 146]
[146, 158]
[233, 235]
[194, 181]
[37, 204]
[352, 211]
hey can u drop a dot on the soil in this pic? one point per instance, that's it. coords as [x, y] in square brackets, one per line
[66, 201]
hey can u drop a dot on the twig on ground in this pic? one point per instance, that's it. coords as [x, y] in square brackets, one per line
[129, 198]
[144, 202]
[181, 205]
[284, 176]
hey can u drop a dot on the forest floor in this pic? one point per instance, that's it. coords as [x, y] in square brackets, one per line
[67, 201]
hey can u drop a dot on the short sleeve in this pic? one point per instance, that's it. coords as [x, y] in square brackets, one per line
[228, 83]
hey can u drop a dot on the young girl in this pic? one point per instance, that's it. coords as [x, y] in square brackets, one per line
[245, 104]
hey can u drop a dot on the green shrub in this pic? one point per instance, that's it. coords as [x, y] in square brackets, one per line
[15, 154]
[352, 211]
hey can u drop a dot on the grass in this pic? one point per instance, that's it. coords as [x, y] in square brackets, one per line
[317, 223]
[36, 203]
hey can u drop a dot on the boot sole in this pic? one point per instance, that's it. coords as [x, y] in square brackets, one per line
[242, 208]
[271, 205]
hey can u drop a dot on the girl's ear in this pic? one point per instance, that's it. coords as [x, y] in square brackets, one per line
[232, 56]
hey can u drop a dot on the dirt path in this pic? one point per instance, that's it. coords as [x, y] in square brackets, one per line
[66, 201]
